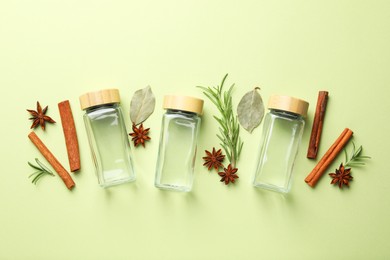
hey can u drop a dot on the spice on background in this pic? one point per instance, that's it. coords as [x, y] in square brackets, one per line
[229, 126]
[65, 176]
[39, 117]
[341, 177]
[328, 157]
[250, 110]
[69, 128]
[140, 135]
[356, 157]
[229, 174]
[141, 107]
[41, 170]
[318, 122]
[214, 159]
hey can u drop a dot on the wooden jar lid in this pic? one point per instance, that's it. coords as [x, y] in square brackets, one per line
[289, 104]
[184, 103]
[101, 97]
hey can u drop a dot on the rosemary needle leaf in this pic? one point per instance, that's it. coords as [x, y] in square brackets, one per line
[32, 174]
[44, 167]
[359, 150]
[346, 155]
[356, 158]
[42, 170]
[363, 157]
[228, 124]
[33, 166]
[36, 178]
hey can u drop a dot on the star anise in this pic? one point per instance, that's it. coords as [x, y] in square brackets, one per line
[229, 174]
[39, 117]
[342, 176]
[213, 159]
[140, 135]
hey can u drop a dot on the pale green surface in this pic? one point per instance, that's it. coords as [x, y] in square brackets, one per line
[56, 50]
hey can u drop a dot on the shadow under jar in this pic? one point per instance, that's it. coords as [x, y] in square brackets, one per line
[282, 133]
[107, 136]
[178, 141]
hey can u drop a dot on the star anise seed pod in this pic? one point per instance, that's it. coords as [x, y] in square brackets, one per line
[229, 174]
[342, 176]
[39, 117]
[213, 159]
[140, 135]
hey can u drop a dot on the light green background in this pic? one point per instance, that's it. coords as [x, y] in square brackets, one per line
[56, 50]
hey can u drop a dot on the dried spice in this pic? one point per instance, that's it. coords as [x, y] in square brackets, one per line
[142, 105]
[39, 117]
[250, 110]
[229, 127]
[328, 157]
[62, 172]
[356, 157]
[69, 129]
[41, 170]
[341, 177]
[214, 159]
[140, 135]
[229, 174]
[318, 123]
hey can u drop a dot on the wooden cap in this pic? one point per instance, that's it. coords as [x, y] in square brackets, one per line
[101, 97]
[289, 104]
[184, 103]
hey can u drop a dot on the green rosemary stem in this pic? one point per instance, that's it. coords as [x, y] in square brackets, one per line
[229, 128]
[356, 158]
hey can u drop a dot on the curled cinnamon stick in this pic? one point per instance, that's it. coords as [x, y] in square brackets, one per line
[68, 126]
[65, 176]
[328, 157]
[317, 125]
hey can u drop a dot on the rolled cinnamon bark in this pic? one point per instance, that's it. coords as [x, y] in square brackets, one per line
[62, 172]
[318, 122]
[69, 128]
[328, 157]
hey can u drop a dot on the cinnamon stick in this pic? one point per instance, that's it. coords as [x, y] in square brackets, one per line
[65, 176]
[68, 126]
[328, 157]
[317, 125]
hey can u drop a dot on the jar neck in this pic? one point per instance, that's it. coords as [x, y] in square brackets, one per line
[286, 114]
[181, 112]
[94, 108]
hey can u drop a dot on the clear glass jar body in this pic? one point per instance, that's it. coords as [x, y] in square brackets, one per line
[177, 150]
[282, 133]
[109, 144]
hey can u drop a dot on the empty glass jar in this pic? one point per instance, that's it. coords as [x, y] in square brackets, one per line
[108, 138]
[282, 132]
[178, 140]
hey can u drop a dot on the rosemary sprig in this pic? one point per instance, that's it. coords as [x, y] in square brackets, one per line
[229, 127]
[356, 157]
[42, 170]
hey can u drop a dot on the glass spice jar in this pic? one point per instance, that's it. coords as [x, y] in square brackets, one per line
[282, 133]
[178, 141]
[108, 138]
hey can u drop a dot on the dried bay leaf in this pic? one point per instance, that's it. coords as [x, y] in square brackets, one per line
[142, 105]
[250, 110]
